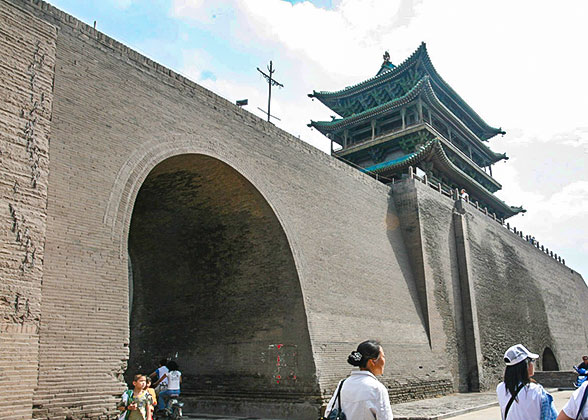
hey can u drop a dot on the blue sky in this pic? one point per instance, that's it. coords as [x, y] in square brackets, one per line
[518, 64]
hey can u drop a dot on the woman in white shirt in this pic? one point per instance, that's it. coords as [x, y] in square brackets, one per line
[530, 401]
[362, 396]
[571, 410]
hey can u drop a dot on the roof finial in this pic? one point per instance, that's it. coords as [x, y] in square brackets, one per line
[386, 57]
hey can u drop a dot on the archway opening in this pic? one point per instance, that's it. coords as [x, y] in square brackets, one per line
[215, 287]
[549, 360]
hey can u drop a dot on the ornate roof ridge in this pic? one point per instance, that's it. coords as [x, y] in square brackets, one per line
[383, 76]
[486, 130]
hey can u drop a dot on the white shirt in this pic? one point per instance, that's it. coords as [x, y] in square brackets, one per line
[174, 379]
[571, 407]
[528, 406]
[162, 370]
[363, 397]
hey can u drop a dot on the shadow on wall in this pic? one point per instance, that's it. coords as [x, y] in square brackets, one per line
[215, 284]
[410, 235]
[549, 361]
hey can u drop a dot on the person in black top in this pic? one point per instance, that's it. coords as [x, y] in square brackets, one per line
[584, 364]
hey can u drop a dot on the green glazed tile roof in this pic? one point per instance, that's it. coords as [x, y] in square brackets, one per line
[423, 86]
[451, 99]
[433, 150]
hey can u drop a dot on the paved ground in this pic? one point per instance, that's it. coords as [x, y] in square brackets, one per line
[474, 406]
[493, 413]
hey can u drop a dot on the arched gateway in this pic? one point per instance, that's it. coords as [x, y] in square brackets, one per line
[215, 287]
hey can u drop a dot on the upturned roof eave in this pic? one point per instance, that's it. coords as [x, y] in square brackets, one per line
[422, 86]
[485, 130]
[395, 103]
[434, 150]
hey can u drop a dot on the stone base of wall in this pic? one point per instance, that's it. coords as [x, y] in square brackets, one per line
[419, 391]
[251, 407]
[556, 379]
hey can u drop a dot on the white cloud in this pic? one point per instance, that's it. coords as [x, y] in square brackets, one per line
[122, 4]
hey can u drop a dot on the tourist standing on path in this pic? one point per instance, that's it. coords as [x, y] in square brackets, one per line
[519, 397]
[362, 396]
[136, 404]
[574, 408]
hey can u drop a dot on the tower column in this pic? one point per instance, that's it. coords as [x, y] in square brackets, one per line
[373, 129]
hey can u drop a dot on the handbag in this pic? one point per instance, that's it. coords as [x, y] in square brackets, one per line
[336, 413]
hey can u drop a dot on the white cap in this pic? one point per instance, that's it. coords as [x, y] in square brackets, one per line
[518, 353]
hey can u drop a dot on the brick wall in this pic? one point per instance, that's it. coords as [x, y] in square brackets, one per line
[116, 116]
[520, 293]
[27, 48]
[341, 242]
[426, 220]
[523, 295]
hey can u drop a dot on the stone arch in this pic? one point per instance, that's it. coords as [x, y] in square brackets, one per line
[549, 361]
[215, 286]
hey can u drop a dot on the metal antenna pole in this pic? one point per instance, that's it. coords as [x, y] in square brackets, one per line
[269, 95]
[271, 82]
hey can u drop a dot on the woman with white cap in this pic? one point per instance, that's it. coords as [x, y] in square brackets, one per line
[520, 398]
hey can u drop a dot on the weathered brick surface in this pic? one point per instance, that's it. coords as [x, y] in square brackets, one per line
[146, 162]
[556, 379]
[27, 48]
[426, 220]
[116, 116]
[521, 294]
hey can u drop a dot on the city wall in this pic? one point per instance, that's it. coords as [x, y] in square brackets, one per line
[486, 286]
[267, 259]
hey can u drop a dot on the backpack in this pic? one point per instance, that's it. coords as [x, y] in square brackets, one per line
[126, 397]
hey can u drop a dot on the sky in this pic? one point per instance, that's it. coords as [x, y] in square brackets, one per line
[519, 64]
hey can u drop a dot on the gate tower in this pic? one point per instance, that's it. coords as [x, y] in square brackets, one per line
[407, 115]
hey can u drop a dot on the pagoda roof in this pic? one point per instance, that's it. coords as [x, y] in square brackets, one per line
[422, 88]
[433, 151]
[451, 99]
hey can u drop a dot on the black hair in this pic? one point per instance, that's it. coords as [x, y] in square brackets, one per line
[367, 350]
[516, 375]
[162, 362]
[171, 365]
